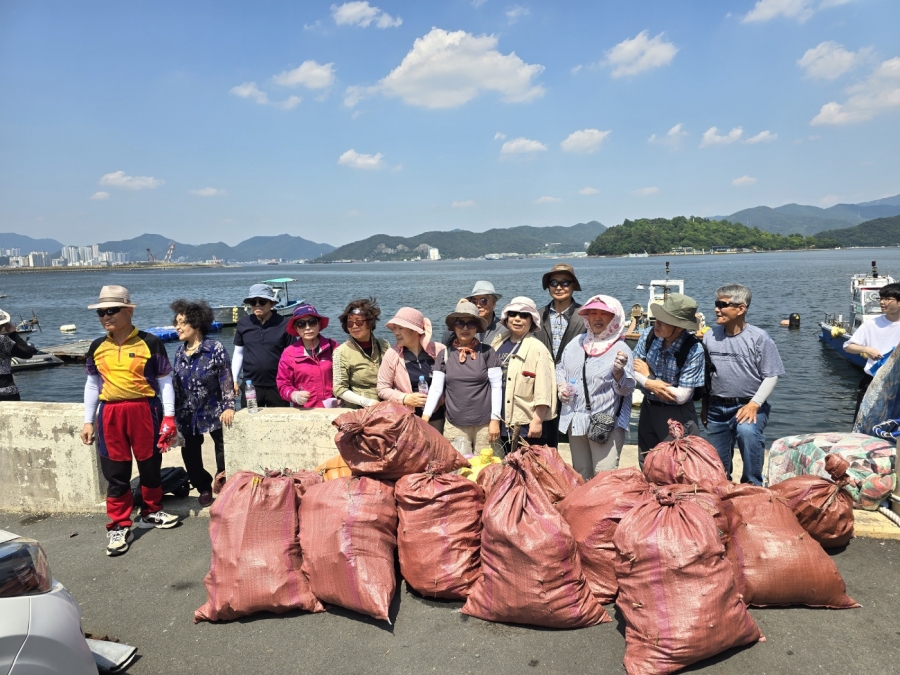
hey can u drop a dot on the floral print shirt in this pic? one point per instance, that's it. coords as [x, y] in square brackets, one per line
[204, 388]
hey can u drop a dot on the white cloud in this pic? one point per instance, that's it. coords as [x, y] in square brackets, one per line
[762, 137]
[310, 74]
[209, 192]
[547, 200]
[829, 60]
[645, 192]
[478, 3]
[499, 136]
[575, 69]
[517, 12]
[588, 191]
[879, 93]
[357, 160]
[363, 14]
[468, 204]
[638, 54]
[712, 137]
[743, 181]
[250, 91]
[119, 179]
[100, 196]
[586, 141]
[519, 146]
[765, 10]
[672, 139]
[289, 103]
[447, 70]
[829, 200]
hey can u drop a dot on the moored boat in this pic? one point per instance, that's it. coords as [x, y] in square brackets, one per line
[640, 319]
[228, 315]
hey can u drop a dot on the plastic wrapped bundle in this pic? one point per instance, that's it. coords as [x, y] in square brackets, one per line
[780, 564]
[387, 440]
[256, 561]
[549, 470]
[439, 535]
[823, 507]
[686, 459]
[677, 589]
[348, 539]
[593, 512]
[531, 572]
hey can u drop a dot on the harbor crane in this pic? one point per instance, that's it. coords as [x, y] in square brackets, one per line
[168, 256]
[150, 256]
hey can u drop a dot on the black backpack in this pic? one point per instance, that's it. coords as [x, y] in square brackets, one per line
[174, 482]
[681, 357]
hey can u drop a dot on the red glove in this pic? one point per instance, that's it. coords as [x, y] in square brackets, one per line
[167, 433]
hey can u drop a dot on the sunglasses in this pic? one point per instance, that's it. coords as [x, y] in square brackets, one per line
[518, 315]
[356, 323]
[109, 311]
[721, 304]
[481, 302]
[556, 283]
[306, 323]
[258, 302]
[471, 324]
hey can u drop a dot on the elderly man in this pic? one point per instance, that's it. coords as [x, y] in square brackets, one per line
[128, 372]
[747, 368]
[259, 339]
[669, 363]
[485, 298]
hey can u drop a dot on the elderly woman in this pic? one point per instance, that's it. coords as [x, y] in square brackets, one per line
[204, 392]
[11, 344]
[602, 366]
[306, 367]
[356, 362]
[529, 380]
[469, 374]
[410, 361]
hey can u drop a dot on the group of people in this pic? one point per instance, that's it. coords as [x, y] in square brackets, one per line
[492, 380]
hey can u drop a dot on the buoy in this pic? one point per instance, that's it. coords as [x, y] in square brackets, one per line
[794, 320]
[68, 328]
[640, 287]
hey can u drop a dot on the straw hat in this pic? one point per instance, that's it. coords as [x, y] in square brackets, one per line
[113, 296]
[466, 310]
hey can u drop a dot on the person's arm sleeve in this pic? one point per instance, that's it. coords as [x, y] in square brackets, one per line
[167, 393]
[859, 337]
[434, 393]
[495, 377]
[236, 363]
[283, 379]
[226, 383]
[641, 344]
[766, 387]
[682, 394]
[91, 398]
[356, 399]
[340, 377]
[22, 348]
[641, 379]
[386, 372]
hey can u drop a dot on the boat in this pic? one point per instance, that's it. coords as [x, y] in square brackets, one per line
[29, 325]
[864, 305]
[170, 333]
[228, 315]
[640, 319]
[40, 360]
[639, 255]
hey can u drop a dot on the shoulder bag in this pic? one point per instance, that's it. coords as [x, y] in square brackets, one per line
[602, 424]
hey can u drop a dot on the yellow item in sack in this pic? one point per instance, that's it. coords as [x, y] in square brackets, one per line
[484, 458]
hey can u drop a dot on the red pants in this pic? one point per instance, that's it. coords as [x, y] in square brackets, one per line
[125, 429]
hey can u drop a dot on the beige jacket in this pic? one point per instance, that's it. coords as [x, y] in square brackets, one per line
[530, 381]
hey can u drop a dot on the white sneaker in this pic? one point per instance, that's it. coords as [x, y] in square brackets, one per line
[118, 541]
[160, 520]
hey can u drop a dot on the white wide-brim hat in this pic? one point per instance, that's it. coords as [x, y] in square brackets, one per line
[113, 296]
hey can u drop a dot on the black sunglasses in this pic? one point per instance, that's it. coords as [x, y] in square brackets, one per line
[556, 283]
[518, 315]
[721, 304]
[306, 323]
[483, 301]
[471, 323]
[258, 302]
[109, 311]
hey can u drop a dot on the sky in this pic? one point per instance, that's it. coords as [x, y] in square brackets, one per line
[218, 121]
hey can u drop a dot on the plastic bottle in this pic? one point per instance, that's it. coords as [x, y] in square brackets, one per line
[250, 395]
[572, 390]
[423, 385]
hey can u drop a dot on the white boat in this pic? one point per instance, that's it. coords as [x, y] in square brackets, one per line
[639, 255]
[659, 289]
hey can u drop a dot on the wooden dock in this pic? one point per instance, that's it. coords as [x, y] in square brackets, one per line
[71, 351]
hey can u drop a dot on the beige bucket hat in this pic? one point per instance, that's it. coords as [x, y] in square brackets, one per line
[113, 296]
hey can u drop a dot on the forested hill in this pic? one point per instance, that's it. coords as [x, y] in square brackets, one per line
[464, 244]
[661, 235]
[878, 232]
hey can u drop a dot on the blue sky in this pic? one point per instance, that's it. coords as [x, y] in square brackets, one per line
[217, 121]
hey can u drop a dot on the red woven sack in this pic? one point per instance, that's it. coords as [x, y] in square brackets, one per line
[488, 476]
[531, 573]
[687, 459]
[824, 508]
[256, 562]
[439, 536]
[348, 539]
[780, 563]
[676, 587]
[387, 440]
[550, 470]
[593, 512]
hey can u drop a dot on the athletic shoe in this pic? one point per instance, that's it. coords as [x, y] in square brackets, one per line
[160, 519]
[118, 541]
[205, 498]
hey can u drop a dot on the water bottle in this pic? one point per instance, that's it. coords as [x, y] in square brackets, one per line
[250, 395]
[423, 385]
[572, 391]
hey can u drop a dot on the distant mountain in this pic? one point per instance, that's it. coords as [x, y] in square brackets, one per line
[878, 232]
[464, 244]
[26, 244]
[889, 201]
[283, 246]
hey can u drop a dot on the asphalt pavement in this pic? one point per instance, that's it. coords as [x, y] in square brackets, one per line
[147, 598]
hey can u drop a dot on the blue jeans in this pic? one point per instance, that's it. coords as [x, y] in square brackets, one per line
[722, 431]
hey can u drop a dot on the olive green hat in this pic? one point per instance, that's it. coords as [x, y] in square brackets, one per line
[677, 310]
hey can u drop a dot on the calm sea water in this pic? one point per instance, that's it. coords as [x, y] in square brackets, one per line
[817, 394]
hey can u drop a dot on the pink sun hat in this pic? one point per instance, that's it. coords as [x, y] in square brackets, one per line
[595, 304]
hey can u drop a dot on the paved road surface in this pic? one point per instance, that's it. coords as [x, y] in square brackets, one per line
[147, 599]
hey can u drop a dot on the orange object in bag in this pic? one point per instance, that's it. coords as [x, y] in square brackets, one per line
[333, 468]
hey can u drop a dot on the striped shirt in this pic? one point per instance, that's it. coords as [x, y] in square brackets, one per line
[602, 387]
[558, 324]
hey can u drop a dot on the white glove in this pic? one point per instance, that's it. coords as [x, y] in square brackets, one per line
[300, 397]
[564, 393]
[620, 362]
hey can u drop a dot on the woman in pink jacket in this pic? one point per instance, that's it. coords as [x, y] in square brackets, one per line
[413, 356]
[304, 371]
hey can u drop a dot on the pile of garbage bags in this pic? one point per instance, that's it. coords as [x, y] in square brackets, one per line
[679, 549]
